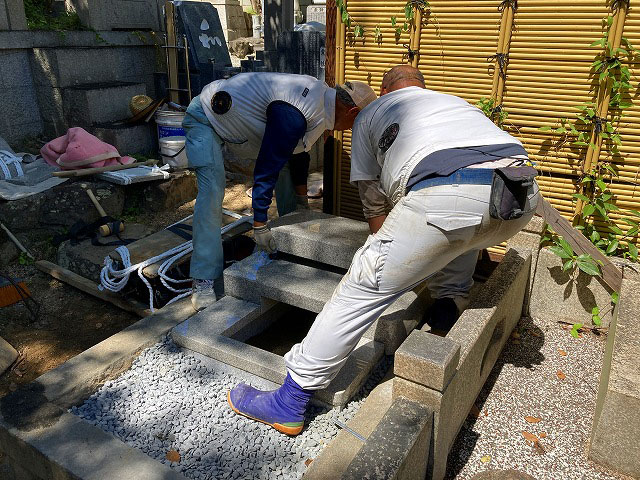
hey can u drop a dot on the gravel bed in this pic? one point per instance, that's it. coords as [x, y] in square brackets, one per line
[526, 382]
[172, 400]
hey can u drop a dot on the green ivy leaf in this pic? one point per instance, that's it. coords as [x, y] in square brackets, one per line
[559, 251]
[568, 265]
[565, 246]
[589, 267]
[393, 21]
[613, 246]
[616, 229]
[574, 331]
[595, 236]
[546, 128]
[601, 185]
[580, 196]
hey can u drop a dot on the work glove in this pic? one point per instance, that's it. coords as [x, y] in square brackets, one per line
[264, 239]
[302, 202]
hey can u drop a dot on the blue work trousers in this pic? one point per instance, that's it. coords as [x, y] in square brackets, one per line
[204, 152]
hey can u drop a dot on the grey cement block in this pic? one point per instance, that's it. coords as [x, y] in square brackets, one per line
[51, 110]
[40, 440]
[396, 448]
[536, 225]
[129, 139]
[91, 104]
[8, 354]
[617, 419]
[427, 359]
[14, 68]
[237, 354]
[4, 17]
[339, 453]
[78, 377]
[400, 319]
[320, 237]
[297, 285]
[556, 295]
[240, 279]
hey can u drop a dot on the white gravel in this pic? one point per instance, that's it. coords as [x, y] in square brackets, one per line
[524, 382]
[171, 400]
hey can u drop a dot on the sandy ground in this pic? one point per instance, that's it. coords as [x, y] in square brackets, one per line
[536, 409]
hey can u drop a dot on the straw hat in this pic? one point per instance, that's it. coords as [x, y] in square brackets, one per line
[139, 103]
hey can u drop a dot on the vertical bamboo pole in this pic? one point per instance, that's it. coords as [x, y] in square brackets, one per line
[499, 49]
[506, 44]
[339, 78]
[172, 56]
[602, 107]
[416, 32]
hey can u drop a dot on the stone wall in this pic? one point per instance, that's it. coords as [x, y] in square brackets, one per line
[12, 15]
[36, 67]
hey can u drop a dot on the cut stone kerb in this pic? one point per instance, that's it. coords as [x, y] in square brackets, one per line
[427, 359]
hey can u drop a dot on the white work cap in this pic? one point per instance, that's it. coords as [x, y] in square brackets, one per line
[361, 93]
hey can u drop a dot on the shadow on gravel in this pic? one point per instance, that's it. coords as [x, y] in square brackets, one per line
[524, 353]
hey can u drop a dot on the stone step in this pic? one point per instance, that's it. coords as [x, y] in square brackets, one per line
[319, 236]
[210, 333]
[93, 103]
[257, 277]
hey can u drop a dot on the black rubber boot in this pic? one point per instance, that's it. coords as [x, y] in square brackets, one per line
[442, 316]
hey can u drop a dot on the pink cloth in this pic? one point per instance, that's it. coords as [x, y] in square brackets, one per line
[79, 149]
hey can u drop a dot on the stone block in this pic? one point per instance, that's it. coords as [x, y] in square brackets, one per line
[93, 103]
[558, 295]
[320, 237]
[617, 418]
[396, 448]
[531, 242]
[400, 319]
[8, 354]
[338, 454]
[77, 378]
[427, 359]
[40, 440]
[128, 139]
[536, 225]
[12, 15]
[180, 188]
[117, 14]
[49, 99]
[298, 285]
[240, 279]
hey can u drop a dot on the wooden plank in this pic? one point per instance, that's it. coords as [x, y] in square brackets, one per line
[611, 274]
[90, 287]
[92, 171]
[172, 54]
[330, 44]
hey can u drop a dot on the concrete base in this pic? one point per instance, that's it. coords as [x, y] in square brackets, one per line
[129, 139]
[617, 419]
[448, 380]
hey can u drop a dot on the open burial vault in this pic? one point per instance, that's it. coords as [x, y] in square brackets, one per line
[406, 425]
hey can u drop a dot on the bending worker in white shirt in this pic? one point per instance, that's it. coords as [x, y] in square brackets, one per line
[434, 157]
[270, 117]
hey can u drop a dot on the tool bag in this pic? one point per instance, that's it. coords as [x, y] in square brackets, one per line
[510, 191]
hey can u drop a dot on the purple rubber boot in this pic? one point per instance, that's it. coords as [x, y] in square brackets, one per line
[283, 408]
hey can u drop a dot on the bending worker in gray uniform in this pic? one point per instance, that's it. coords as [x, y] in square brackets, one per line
[270, 117]
[435, 158]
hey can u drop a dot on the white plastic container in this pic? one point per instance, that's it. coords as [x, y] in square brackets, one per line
[169, 123]
[173, 152]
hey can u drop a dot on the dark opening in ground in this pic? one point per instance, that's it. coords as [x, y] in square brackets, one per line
[285, 332]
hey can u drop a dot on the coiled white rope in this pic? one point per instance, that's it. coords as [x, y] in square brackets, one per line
[7, 159]
[114, 279]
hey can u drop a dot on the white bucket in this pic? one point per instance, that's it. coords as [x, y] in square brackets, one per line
[256, 24]
[169, 123]
[173, 152]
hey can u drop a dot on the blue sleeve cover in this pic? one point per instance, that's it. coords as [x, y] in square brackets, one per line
[285, 127]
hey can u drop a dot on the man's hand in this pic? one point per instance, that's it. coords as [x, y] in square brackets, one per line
[264, 238]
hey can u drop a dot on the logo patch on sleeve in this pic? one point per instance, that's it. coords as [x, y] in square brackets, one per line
[388, 137]
[305, 92]
[221, 102]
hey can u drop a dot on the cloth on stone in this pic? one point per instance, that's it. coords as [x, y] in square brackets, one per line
[24, 174]
[79, 149]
